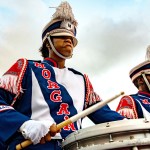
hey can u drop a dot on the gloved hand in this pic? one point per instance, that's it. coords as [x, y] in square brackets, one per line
[36, 131]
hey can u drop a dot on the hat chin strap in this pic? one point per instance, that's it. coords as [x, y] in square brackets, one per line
[55, 51]
[146, 81]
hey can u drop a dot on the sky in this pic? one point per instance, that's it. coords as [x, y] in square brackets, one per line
[113, 36]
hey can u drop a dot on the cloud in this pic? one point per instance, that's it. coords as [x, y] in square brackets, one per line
[105, 38]
[105, 42]
[22, 29]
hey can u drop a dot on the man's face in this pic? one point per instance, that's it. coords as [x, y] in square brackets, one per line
[64, 45]
[141, 82]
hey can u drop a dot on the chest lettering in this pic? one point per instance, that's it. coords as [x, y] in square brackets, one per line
[55, 96]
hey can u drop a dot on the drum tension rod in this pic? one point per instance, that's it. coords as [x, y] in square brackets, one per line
[77, 144]
[110, 138]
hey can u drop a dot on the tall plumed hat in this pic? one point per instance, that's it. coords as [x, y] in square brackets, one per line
[62, 23]
[142, 68]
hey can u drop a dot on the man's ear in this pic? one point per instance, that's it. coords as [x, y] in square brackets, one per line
[48, 45]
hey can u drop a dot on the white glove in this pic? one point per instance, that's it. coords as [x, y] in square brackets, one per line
[34, 130]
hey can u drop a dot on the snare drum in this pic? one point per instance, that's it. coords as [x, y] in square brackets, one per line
[133, 134]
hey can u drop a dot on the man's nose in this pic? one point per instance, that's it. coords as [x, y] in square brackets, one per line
[70, 39]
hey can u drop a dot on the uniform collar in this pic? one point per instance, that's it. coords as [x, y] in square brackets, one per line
[51, 62]
[144, 93]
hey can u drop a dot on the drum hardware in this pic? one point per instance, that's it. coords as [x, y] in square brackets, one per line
[110, 138]
[76, 132]
[132, 134]
[107, 125]
[131, 137]
[146, 120]
[135, 148]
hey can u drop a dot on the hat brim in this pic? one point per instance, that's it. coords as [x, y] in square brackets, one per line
[137, 71]
[140, 73]
[75, 41]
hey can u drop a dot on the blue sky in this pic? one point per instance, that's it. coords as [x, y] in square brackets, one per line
[113, 36]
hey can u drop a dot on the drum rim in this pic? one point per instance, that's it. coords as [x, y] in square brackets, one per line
[128, 125]
[118, 144]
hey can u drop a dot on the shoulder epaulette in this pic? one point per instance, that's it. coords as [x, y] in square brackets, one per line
[11, 81]
[127, 107]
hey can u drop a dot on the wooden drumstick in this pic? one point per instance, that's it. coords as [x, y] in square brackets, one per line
[74, 118]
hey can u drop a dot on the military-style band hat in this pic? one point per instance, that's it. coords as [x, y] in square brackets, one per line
[138, 70]
[62, 23]
[142, 68]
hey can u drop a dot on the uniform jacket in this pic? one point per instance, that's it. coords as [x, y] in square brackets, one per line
[39, 90]
[135, 106]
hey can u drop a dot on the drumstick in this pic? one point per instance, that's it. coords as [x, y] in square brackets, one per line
[87, 111]
[74, 118]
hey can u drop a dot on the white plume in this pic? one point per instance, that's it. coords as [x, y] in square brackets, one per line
[147, 57]
[64, 11]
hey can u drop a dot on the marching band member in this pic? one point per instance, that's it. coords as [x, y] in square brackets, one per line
[36, 95]
[138, 105]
